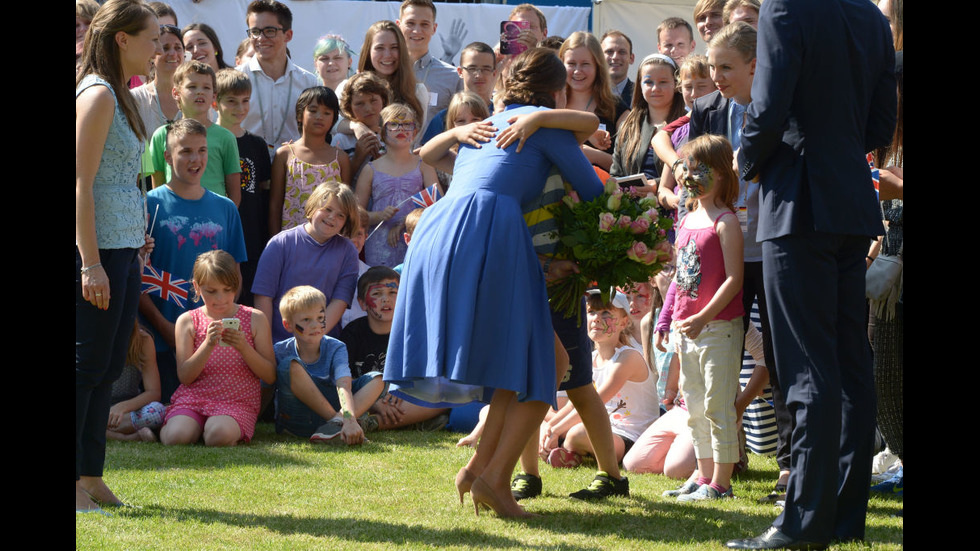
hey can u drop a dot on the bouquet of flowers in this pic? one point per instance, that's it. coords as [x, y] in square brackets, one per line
[616, 239]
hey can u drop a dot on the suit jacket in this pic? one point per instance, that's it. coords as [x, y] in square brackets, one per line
[823, 96]
[627, 95]
[709, 116]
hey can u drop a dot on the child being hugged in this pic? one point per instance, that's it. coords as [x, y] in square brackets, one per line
[384, 186]
[300, 166]
[621, 376]
[194, 85]
[315, 396]
[708, 311]
[223, 350]
[234, 93]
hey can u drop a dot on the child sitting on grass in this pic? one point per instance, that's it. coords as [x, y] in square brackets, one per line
[367, 344]
[315, 397]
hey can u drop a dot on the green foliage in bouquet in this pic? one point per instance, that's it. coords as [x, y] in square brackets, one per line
[616, 239]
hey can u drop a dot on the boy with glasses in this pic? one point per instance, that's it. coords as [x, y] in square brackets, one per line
[276, 81]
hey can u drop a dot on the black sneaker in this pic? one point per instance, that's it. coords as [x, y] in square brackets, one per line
[525, 486]
[329, 432]
[603, 486]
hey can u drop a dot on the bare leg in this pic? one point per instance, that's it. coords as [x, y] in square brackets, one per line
[596, 420]
[529, 456]
[180, 429]
[82, 501]
[221, 430]
[413, 414]
[97, 492]
[723, 475]
[124, 436]
[474, 436]
[519, 421]
[307, 392]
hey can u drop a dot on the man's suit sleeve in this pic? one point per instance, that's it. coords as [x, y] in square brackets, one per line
[884, 106]
[778, 62]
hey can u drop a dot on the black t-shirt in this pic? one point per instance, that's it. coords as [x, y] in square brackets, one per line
[253, 155]
[366, 350]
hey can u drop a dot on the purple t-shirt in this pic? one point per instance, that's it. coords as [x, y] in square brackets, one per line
[294, 258]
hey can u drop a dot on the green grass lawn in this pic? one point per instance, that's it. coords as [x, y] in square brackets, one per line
[397, 492]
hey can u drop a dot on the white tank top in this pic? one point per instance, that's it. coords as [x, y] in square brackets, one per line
[636, 406]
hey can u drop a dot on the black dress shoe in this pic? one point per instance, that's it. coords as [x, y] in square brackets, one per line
[772, 538]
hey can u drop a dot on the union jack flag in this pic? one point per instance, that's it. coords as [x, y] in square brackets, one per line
[165, 286]
[427, 196]
[875, 173]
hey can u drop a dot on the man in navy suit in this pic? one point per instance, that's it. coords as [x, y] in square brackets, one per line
[823, 95]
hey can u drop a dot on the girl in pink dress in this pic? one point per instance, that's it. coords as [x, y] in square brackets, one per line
[223, 350]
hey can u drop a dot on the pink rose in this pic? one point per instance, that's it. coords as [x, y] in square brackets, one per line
[640, 225]
[606, 221]
[574, 196]
[624, 221]
[638, 252]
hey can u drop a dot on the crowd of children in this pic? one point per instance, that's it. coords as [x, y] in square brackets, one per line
[278, 243]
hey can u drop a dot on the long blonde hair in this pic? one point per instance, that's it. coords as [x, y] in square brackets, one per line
[602, 94]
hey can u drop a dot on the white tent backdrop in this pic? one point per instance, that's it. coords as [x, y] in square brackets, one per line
[638, 19]
[351, 19]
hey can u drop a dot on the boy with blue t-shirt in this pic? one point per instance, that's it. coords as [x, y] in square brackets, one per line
[315, 397]
[187, 220]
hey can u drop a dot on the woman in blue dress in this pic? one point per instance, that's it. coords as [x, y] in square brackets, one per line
[472, 320]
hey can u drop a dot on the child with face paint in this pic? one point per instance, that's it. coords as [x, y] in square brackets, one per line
[384, 186]
[367, 344]
[625, 384]
[223, 350]
[317, 398]
[708, 311]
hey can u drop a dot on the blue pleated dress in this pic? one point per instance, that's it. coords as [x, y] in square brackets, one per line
[472, 311]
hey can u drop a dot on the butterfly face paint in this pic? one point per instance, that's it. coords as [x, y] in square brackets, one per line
[602, 323]
[380, 299]
[700, 178]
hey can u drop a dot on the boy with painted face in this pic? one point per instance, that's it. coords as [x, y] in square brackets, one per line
[316, 397]
[367, 344]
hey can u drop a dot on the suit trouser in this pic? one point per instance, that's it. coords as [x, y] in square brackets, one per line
[815, 289]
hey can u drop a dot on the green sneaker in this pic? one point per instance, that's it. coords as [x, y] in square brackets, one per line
[525, 486]
[602, 487]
